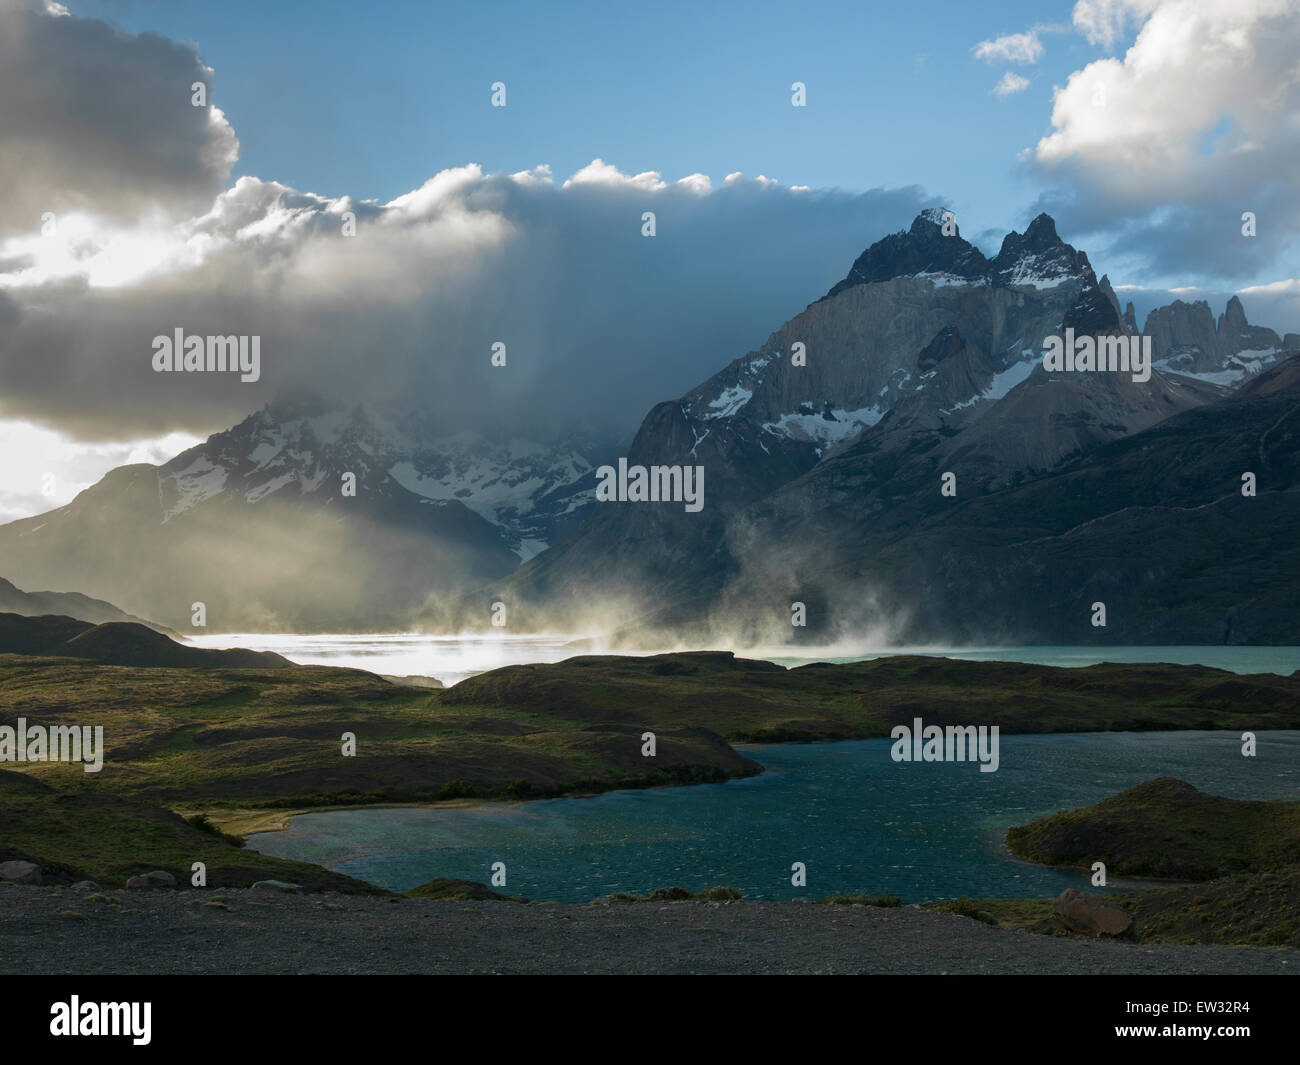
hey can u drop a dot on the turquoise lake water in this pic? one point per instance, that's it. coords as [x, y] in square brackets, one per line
[858, 820]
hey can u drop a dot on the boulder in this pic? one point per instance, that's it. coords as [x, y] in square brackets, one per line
[1090, 915]
[157, 878]
[279, 885]
[17, 872]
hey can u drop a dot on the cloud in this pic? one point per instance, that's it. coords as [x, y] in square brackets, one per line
[1009, 85]
[45, 469]
[96, 120]
[1013, 48]
[599, 321]
[1166, 147]
[379, 302]
[1103, 21]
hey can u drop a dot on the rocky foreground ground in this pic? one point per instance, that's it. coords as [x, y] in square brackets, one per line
[92, 932]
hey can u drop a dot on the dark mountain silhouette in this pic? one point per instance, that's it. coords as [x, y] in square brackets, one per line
[120, 643]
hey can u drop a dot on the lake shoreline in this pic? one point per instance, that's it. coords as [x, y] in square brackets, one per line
[861, 822]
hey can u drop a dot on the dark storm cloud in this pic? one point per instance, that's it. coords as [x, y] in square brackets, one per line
[93, 119]
[599, 321]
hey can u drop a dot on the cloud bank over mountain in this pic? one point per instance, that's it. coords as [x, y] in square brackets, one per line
[599, 322]
[1164, 148]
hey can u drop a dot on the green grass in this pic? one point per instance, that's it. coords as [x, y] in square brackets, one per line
[1253, 909]
[108, 839]
[271, 738]
[885, 900]
[1244, 856]
[446, 888]
[264, 739]
[1166, 828]
[198, 740]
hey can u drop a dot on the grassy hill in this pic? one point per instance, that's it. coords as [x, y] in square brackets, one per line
[1246, 855]
[106, 838]
[243, 740]
[1166, 828]
[754, 701]
[194, 738]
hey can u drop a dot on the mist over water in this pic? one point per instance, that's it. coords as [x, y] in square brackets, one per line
[452, 658]
[448, 658]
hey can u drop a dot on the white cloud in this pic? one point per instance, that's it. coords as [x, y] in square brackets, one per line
[1103, 21]
[601, 322]
[1010, 84]
[1013, 48]
[1139, 124]
[599, 172]
[1194, 124]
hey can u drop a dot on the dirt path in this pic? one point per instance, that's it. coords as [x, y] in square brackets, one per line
[260, 932]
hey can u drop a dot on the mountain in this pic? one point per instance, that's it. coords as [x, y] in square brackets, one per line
[925, 359]
[1153, 523]
[255, 524]
[120, 643]
[14, 600]
[1187, 340]
[913, 392]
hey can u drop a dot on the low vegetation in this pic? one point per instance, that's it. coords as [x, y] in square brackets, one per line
[106, 838]
[1243, 856]
[1167, 829]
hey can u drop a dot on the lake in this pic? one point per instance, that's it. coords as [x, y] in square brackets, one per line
[452, 658]
[858, 820]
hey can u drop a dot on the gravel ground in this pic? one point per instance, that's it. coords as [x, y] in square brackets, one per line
[263, 932]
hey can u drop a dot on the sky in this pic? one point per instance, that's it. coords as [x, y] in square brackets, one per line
[1145, 127]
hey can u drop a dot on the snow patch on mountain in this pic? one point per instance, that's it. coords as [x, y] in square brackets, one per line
[942, 279]
[200, 480]
[526, 488]
[1240, 366]
[825, 429]
[1035, 271]
[729, 401]
[270, 487]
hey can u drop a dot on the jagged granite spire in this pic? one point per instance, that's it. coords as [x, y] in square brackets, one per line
[1038, 257]
[922, 249]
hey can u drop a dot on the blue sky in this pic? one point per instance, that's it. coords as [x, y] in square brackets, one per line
[328, 99]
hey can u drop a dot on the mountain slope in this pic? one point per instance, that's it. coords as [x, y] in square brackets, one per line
[119, 643]
[1186, 339]
[14, 600]
[257, 524]
[1154, 525]
[925, 359]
